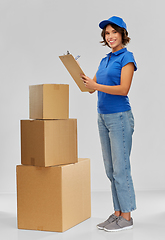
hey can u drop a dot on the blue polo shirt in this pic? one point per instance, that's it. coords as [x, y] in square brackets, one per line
[109, 73]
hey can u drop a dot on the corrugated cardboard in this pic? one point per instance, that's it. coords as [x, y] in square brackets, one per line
[49, 101]
[48, 142]
[53, 198]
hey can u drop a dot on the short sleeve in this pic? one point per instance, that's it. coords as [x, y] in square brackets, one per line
[127, 58]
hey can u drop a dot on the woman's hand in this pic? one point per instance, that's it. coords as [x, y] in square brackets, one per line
[89, 83]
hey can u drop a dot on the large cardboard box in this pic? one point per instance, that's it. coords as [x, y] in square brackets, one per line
[49, 101]
[53, 198]
[48, 142]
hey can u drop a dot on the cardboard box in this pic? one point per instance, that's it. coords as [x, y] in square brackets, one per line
[53, 198]
[48, 142]
[49, 101]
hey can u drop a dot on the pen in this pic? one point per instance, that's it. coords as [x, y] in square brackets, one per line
[77, 57]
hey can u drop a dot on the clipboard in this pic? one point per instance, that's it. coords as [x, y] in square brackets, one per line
[75, 70]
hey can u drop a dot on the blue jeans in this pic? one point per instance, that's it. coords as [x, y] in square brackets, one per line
[116, 141]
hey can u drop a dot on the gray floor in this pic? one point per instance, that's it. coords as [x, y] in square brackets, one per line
[149, 220]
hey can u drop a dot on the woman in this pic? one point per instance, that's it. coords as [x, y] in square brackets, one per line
[115, 120]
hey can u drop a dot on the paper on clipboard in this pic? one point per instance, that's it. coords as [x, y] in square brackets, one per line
[75, 70]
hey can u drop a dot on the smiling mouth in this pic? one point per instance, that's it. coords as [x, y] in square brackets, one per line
[111, 42]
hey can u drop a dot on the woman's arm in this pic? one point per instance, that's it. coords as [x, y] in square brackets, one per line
[122, 89]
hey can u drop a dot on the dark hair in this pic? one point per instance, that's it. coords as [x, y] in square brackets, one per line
[124, 33]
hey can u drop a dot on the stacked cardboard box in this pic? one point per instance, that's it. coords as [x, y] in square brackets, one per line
[53, 185]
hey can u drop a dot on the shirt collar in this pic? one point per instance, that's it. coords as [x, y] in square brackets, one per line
[118, 52]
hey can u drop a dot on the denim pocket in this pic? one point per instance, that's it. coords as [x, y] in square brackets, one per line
[131, 119]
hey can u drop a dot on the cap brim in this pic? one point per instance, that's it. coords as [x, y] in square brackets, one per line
[104, 23]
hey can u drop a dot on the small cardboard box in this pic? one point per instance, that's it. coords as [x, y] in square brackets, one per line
[49, 101]
[53, 198]
[48, 142]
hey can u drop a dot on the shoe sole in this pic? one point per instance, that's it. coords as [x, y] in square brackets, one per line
[117, 230]
[100, 228]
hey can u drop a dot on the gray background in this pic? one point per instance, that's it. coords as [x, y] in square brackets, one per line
[33, 33]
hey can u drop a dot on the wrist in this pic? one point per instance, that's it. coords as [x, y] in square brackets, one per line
[95, 86]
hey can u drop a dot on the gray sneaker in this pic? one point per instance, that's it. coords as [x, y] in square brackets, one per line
[111, 219]
[118, 225]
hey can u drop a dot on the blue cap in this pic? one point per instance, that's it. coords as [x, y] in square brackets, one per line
[113, 20]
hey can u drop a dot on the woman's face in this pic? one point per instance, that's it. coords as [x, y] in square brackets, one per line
[113, 38]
